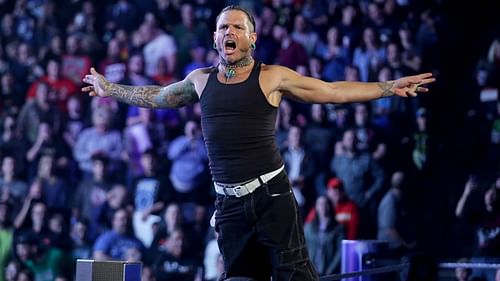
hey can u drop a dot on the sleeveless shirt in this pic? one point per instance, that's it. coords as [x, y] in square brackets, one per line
[238, 125]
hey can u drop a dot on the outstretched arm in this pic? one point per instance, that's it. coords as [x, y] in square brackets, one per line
[174, 95]
[312, 90]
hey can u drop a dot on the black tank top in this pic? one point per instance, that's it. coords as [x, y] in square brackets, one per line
[238, 126]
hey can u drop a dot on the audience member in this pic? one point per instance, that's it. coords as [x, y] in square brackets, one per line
[114, 244]
[99, 138]
[486, 220]
[394, 219]
[324, 237]
[189, 173]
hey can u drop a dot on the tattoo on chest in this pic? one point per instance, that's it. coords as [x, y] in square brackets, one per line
[386, 88]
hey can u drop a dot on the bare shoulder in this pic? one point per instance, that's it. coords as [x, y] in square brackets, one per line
[278, 72]
[274, 69]
[199, 78]
[273, 76]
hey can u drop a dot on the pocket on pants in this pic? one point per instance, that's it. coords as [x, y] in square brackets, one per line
[279, 189]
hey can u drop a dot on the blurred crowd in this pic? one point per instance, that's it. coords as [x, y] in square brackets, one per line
[91, 178]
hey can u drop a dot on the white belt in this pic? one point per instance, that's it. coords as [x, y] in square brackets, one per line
[241, 190]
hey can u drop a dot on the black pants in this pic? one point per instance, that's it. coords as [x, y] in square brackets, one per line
[262, 235]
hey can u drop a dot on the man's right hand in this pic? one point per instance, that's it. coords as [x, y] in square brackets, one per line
[98, 84]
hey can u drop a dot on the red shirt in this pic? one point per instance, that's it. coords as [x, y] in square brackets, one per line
[63, 87]
[347, 214]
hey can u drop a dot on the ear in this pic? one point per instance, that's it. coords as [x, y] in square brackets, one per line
[253, 37]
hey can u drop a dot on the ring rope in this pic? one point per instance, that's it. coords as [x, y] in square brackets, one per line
[469, 265]
[391, 268]
[382, 269]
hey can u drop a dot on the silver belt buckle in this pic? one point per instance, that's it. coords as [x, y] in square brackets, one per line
[239, 191]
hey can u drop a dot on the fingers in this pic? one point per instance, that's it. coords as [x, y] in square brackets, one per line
[427, 81]
[425, 75]
[89, 79]
[89, 89]
[421, 89]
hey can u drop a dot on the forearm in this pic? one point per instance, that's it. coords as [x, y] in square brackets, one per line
[174, 95]
[461, 204]
[347, 92]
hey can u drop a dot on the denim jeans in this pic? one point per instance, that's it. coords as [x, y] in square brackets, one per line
[262, 235]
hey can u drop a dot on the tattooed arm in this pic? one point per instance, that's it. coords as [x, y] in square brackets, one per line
[312, 90]
[174, 95]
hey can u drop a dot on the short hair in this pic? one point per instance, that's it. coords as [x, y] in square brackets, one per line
[238, 8]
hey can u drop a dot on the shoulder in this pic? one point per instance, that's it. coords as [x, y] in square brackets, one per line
[200, 73]
[276, 77]
[275, 69]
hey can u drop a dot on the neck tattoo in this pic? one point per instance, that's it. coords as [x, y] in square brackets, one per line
[231, 67]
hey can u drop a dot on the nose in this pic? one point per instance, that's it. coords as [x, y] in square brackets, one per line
[230, 30]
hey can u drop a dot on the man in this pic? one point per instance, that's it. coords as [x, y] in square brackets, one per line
[261, 233]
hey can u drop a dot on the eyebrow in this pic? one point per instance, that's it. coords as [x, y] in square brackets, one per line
[233, 24]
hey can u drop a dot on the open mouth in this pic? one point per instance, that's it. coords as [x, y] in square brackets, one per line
[230, 45]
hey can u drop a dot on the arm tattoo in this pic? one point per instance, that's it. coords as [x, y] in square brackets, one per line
[386, 88]
[174, 95]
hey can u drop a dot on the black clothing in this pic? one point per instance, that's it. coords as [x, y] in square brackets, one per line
[238, 125]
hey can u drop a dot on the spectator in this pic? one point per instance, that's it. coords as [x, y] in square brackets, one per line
[369, 54]
[117, 198]
[189, 173]
[197, 53]
[487, 225]
[173, 220]
[369, 138]
[394, 219]
[146, 131]
[81, 247]
[46, 143]
[212, 260]
[300, 166]
[173, 263]
[187, 32]
[318, 138]
[38, 110]
[303, 34]
[12, 189]
[99, 138]
[6, 234]
[151, 193]
[90, 195]
[422, 142]
[159, 46]
[362, 178]
[11, 94]
[33, 220]
[55, 192]
[115, 243]
[290, 54]
[59, 232]
[12, 269]
[120, 15]
[75, 62]
[44, 263]
[461, 273]
[61, 87]
[11, 142]
[324, 236]
[113, 65]
[345, 210]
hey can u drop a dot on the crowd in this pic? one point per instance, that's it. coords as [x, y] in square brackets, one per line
[93, 178]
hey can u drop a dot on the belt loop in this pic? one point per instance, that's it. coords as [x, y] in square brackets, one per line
[225, 191]
[261, 181]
